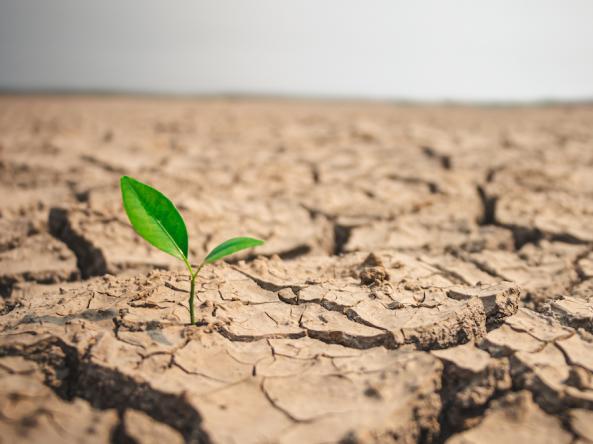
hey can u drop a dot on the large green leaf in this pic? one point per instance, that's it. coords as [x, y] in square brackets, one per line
[154, 217]
[231, 246]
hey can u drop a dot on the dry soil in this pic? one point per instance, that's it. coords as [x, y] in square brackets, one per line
[427, 276]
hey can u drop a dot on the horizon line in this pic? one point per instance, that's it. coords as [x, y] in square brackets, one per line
[238, 95]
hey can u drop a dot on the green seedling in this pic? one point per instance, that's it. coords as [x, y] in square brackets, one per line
[154, 217]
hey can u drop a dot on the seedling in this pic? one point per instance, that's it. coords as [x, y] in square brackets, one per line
[155, 218]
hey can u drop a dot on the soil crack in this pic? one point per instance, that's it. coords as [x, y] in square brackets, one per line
[106, 388]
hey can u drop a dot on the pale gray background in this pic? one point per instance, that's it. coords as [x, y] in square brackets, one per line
[495, 50]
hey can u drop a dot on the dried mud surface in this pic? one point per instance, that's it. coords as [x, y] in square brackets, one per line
[427, 276]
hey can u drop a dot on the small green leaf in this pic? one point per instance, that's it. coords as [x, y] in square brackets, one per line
[154, 217]
[231, 246]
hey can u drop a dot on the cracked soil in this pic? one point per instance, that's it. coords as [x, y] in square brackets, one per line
[427, 275]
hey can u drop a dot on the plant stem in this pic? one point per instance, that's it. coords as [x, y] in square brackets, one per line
[192, 290]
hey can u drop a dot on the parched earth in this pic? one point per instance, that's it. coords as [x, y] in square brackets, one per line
[427, 275]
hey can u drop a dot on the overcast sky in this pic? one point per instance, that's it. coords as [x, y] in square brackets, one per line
[424, 49]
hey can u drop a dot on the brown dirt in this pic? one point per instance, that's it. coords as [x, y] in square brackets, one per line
[427, 276]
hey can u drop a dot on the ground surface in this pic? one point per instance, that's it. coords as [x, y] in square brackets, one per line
[427, 276]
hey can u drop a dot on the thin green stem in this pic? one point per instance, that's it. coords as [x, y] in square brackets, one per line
[192, 290]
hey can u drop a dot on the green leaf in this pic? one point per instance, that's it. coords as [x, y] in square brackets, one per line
[231, 246]
[154, 217]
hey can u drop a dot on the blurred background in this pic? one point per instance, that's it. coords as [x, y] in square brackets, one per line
[508, 50]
